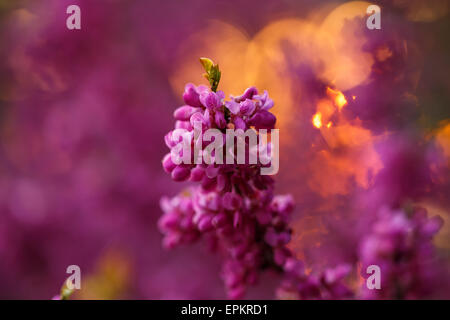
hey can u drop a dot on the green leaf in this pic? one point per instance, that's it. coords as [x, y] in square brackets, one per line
[212, 74]
[207, 64]
[66, 292]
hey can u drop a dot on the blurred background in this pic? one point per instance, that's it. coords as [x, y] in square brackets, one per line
[364, 119]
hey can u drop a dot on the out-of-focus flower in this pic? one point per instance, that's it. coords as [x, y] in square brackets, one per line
[326, 285]
[401, 245]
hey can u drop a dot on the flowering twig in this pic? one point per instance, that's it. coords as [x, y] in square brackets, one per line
[234, 206]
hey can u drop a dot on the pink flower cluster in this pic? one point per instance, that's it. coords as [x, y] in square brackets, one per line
[250, 232]
[204, 106]
[401, 245]
[234, 207]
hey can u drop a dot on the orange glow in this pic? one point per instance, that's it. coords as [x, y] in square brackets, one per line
[345, 62]
[317, 120]
[329, 124]
[360, 278]
[443, 139]
[338, 97]
[324, 40]
[383, 53]
[227, 46]
[333, 171]
[110, 278]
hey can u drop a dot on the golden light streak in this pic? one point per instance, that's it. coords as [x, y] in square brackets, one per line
[317, 120]
[338, 97]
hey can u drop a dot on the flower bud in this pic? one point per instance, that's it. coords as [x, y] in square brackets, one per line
[167, 163]
[191, 96]
[180, 173]
[184, 113]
